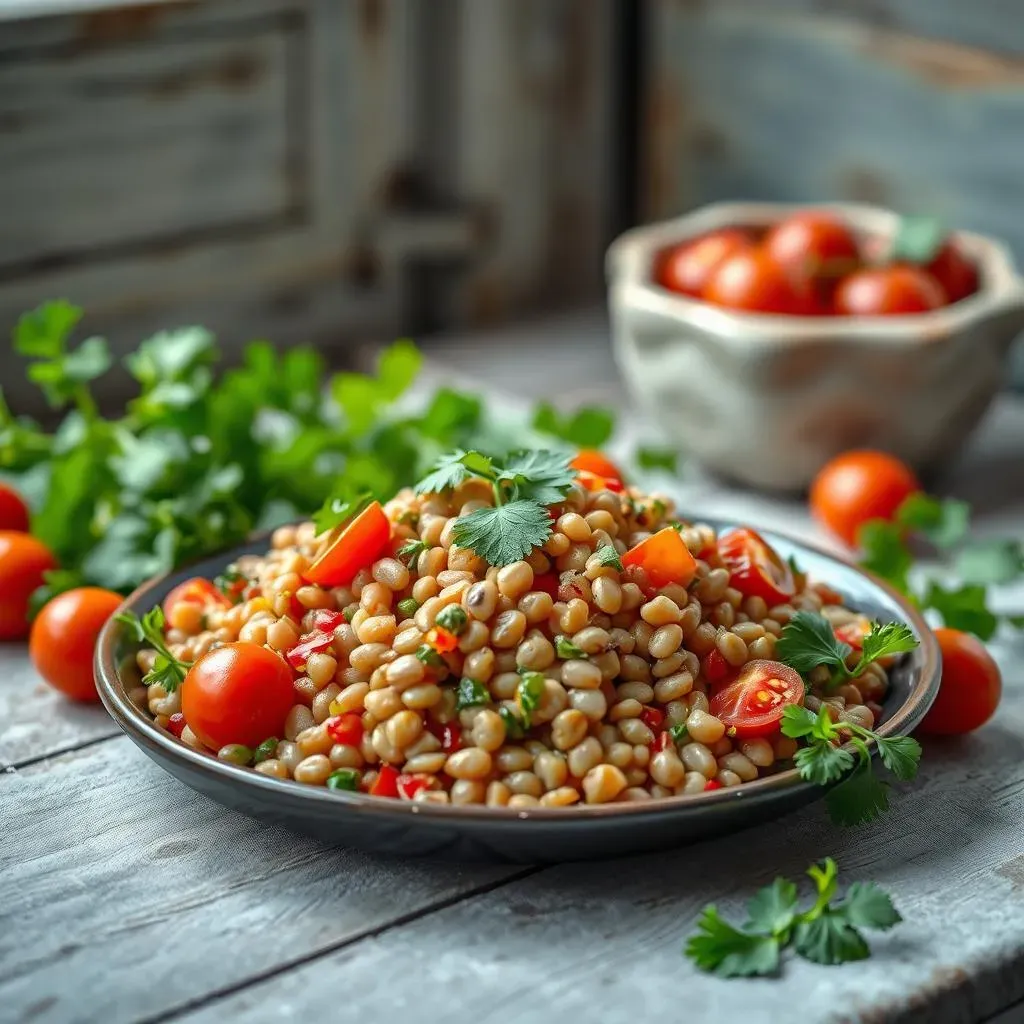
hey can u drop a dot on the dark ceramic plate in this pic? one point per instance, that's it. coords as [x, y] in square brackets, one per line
[482, 833]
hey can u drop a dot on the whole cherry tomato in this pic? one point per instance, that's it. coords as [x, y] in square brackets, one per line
[23, 560]
[888, 291]
[687, 267]
[750, 280]
[970, 689]
[63, 639]
[813, 244]
[957, 275]
[238, 693]
[858, 486]
[13, 510]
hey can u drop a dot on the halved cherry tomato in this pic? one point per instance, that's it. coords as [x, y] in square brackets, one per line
[954, 271]
[653, 718]
[888, 291]
[63, 639]
[813, 244]
[686, 268]
[386, 783]
[194, 591]
[13, 510]
[346, 729]
[360, 544]
[408, 785]
[755, 568]
[971, 686]
[664, 558]
[309, 643]
[23, 560]
[753, 704]
[238, 693]
[590, 460]
[858, 486]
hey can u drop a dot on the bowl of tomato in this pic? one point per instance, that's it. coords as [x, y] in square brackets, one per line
[767, 338]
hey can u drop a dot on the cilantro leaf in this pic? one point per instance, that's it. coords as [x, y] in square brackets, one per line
[566, 649]
[859, 798]
[588, 427]
[900, 754]
[450, 415]
[944, 523]
[808, 641]
[830, 939]
[504, 534]
[44, 331]
[408, 553]
[340, 507]
[826, 879]
[868, 906]
[1017, 621]
[822, 763]
[167, 670]
[453, 469]
[884, 640]
[657, 458]
[397, 368]
[992, 561]
[607, 555]
[798, 721]
[471, 694]
[530, 691]
[918, 239]
[964, 608]
[773, 908]
[884, 552]
[721, 949]
[542, 476]
[515, 728]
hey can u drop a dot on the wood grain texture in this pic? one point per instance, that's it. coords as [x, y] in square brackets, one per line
[151, 897]
[603, 941]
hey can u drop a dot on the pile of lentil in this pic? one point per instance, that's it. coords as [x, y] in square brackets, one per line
[615, 662]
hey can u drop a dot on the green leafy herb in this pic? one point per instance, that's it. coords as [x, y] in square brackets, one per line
[345, 779]
[430, 657]
[827, 932]
[530, 691]
[266, 750]
[994, 561]
[408, 607]
[860, 796]
[506, 533]
[918, 240]
[167, 670]
[884, 552]
[679, 733]
[340, 507]
[515, 728]
[453, 617]
[540, 476]
[471, 694]
[453, 469]
[588, 427]
[350, 613]
[565, 648]
[607, 555]
[963, 608]
[410, 551]
[657, 458]
[944, 523]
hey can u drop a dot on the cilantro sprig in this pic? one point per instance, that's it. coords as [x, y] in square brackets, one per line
[860, 796]
[167, 669]
[828, 932]
[523, 484]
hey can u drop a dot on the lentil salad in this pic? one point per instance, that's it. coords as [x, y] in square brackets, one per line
[627, 656]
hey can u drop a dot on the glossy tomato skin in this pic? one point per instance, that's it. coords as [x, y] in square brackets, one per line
[814, 244]
[23, 560]
[957, 275]
[63, 639]
[238, 693]
[13, 510]
[751, 281]
[753, 704]
[359, 545]
[688, 267]
[971, 686]
[755, 568]
[590, 460]
[858, 486]
[888, 291]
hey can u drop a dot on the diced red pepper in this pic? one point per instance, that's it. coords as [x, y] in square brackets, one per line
[346, 729]
[449, 734]
[327, 622]
[386, 783]
[595, 482]
[663, 741]
[296, 608]
[548, 583]
[652, 718]
[359, 545]
[176, 726]
[716, 668]
[442, 640]
[309, 643]
[409, 785]
[712, 784]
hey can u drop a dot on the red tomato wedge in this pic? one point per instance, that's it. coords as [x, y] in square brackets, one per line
[360, 544]
[346, 729]
[753, 704]
[664, 558]
[853, 633]
[590, 460]
[409, 785]
[755, 568]
[194, 591]
[386, 783]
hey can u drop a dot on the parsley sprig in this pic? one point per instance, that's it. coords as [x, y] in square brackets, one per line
[523, 483]
[828, 932]
[167, 670]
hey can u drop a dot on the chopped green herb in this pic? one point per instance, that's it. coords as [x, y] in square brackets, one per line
[266, 750]
[566, 649]
[167, 670]
[993, 561]
[350, 612]
[430, 657]
[963, 608]
[679, 733]
[589, 427]
[347, 779]
[917, 240]
[408, 553]
[885, 553]
[944, 523]
[231, 583]
[515, 729]
[826, 933]
[471, 694]
[657, 458]
[607, 555]
[530, 691]
[408, 607]
[453, 617]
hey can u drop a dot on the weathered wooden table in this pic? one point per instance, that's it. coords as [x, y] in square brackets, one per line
[124, 896]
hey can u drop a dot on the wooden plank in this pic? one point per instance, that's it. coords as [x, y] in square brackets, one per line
[605, 939]
[35, 720]
[151, 897]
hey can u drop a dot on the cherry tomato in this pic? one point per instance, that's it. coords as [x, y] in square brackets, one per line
[194, 591]
[755, 568]
[712, 784]
[23, 560]
[346, 729]
[753, 704]
[970, 689]
[813, 244]
[957, 275]
[63, 639]
[238, 693]
[888, 291]
[853, 633]
[13, 510]
[360, 544]
[687, 267]
[653, 718]
[750, 280]
[664, 558]
[408, 785]
[589, 460]
[386, 783]
[593, 482]
[858, 486]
